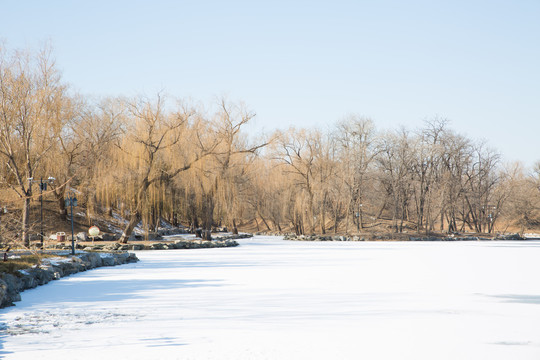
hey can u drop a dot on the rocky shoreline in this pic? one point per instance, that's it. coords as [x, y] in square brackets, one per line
[219, 241]
[94, 256]
[177, 244]
[400, 237]
[55, 268]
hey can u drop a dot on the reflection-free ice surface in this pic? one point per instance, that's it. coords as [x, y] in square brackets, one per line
[275, 299]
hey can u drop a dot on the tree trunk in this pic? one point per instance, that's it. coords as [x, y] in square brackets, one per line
[264, 221]
[234, 229]
[207, 235]
[60, 200]
[298, 227]
[347, 217]
[133, 221]
[379, 214]
[360, 218]
[442, 221]
[322, 213]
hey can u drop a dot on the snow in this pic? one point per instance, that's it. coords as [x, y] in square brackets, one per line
[274, 299]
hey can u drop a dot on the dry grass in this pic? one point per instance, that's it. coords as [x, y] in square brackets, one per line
[12, 266]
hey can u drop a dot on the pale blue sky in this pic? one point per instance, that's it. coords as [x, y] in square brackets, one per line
[309, 63]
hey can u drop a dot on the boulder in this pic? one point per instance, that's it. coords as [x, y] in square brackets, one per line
[154, 236]
[11, 286]
[158, 246]
[107, 237]
[4, 301]
[108, 260]
[509, 237]
[114, 246]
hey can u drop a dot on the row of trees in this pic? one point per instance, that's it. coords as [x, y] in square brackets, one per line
[430, 179]
[145, 159]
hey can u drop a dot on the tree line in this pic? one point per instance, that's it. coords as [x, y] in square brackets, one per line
[151, 158]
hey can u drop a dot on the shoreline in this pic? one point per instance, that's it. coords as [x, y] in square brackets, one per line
[171, 242]
[90, 256]
[406, 237]
[12, 285]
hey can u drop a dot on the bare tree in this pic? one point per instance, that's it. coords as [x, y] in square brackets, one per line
[32, 105]
[297, 150]
[427, 171]
[395, 162]
[480, 181]
[233, 156]
[536, 175]
[150, 134]
[358, 148]
[522, 199]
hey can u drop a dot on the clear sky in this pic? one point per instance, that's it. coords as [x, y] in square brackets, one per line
[308, 63]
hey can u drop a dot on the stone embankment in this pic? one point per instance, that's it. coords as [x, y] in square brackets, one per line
[219, 241]
[55, 268]
[323, 238]
[95, 255]
[400, 237]
[177, 244]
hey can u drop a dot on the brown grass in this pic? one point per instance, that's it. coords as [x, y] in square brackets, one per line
[24, 262]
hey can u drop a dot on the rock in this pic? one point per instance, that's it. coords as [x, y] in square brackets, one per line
[180, 244]
[107, 237]
[114, 246]
[509, 237]
[158, 246]
[82, 236]
[132, 258]
[11, 285]
[108, 260]
[4, 299]
[91, 260]
[154, 236]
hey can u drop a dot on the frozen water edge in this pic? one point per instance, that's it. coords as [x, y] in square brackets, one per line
[274, 299]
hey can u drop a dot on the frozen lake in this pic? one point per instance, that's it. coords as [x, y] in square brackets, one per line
[273, 299]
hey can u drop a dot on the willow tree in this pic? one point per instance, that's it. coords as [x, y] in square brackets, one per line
[67, 152]
[297, 151]
[32, 105]
[233, 157]
[267, 188]
[94, 135]
[154, 149]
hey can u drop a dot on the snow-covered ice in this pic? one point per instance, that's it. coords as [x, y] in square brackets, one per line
[274, 299]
